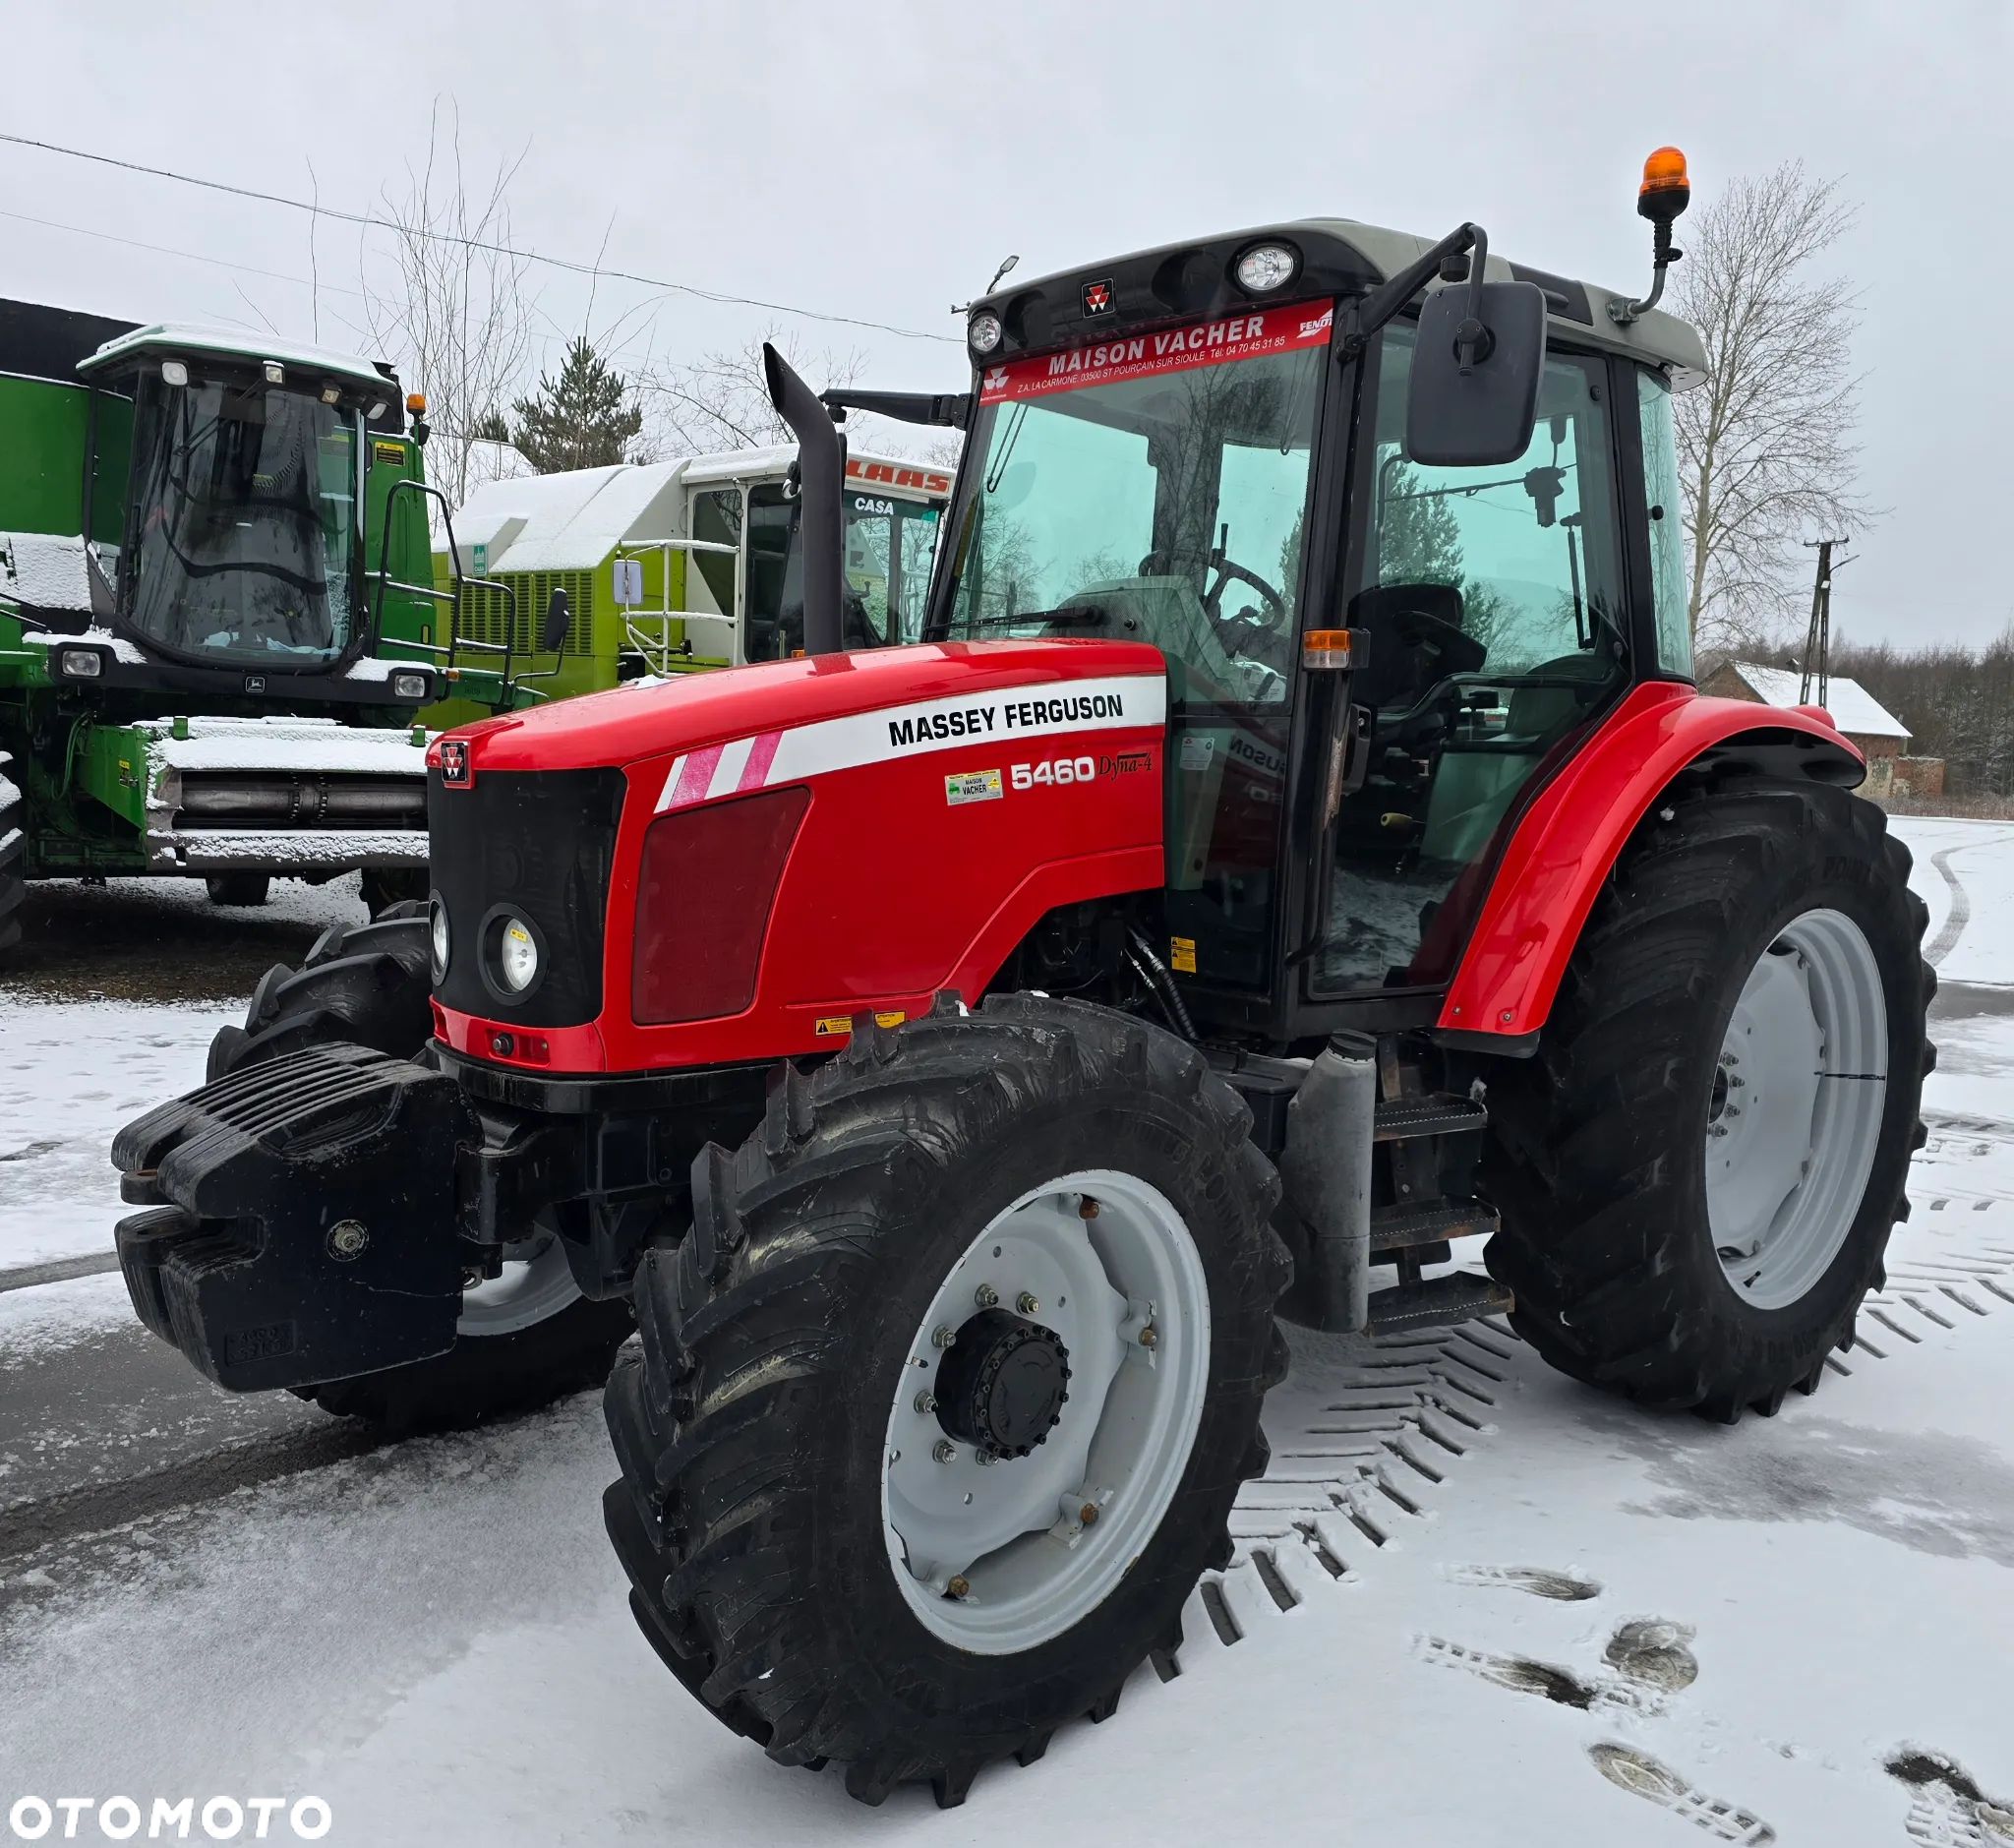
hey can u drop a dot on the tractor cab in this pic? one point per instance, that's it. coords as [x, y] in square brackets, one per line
[226, 505]
[1206, 450]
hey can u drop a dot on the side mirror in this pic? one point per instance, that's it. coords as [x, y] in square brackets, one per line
[558, 618]
[1473, 401]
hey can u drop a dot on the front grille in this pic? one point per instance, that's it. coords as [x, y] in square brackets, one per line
[486, 614]
[541, 843]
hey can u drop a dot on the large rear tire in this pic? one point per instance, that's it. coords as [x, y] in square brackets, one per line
[1698, 1172]
[526, 1337]
[12, 858]
[927, 1242]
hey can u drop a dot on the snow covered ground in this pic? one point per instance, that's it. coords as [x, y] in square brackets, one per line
[1472, 1601]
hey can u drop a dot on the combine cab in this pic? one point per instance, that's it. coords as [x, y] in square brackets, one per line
[1296, 853]
[194, 683]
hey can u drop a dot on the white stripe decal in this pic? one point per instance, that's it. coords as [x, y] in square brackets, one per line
[997, 719]
[727, 773]
[964, 721]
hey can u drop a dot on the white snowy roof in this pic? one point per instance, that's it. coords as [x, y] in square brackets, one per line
[236, 343]
[1853, 709]
[572, 521]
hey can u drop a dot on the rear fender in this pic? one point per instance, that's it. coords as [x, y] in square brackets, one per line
[1562, 849]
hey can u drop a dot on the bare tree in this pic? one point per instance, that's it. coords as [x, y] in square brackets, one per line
[458, 323]
[721, 401]
[1766, 445]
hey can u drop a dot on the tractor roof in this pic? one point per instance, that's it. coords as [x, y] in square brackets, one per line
[1338, 255]
[176, 339]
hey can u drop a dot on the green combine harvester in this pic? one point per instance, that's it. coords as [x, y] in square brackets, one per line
[214, 650]
[225, 632]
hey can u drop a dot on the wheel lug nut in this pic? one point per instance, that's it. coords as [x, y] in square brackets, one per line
[946, 1452]
[943, 1337]
[987, 1296]
[1028, 1304]
[1088, 1513]
[985, 1456]
[1087, 1208]
[1148, 1337]
[959, 1586]
[926, 1401]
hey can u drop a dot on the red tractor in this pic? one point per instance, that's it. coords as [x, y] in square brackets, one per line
[1298, 846]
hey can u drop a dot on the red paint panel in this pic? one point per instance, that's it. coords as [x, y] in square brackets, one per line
[917, 867]
[1567, 841]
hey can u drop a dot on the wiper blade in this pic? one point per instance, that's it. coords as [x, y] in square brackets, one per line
[1078, 615]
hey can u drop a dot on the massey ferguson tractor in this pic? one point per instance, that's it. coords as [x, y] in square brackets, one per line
[1296, 847]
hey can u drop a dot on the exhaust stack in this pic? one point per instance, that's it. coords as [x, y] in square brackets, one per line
[821, 476]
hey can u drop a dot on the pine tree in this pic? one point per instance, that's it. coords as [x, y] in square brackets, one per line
[583, 419]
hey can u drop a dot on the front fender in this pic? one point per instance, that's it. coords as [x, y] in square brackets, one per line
[1562, 849]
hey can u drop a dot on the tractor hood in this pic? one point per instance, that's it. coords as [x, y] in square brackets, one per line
[933, 695]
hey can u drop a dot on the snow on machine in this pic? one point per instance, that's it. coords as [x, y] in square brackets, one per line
[1296, 846]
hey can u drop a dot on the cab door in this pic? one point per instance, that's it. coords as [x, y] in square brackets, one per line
[1495, 604]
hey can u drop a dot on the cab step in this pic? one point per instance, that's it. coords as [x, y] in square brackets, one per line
[1399, 1229]
[1435, 1302]
[1408, 1119]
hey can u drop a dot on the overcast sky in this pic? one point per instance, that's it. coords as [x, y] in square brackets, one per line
[879, 160]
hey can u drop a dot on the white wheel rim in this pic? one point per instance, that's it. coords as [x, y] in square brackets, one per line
[534, 1284]
[1012, 1531]
[1796, 1106]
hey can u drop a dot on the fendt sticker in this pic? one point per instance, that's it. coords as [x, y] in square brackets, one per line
[1285, 329]
[771, 760]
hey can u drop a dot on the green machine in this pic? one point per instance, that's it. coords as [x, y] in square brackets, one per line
[649, 569]
[218, 625]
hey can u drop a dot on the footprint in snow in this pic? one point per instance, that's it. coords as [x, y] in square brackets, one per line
[1564, 1587]
[1643, 1776]
[1947, 1809]
[1649, 1655]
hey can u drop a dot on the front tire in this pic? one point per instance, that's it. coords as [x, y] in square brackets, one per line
[1699, 1172]
[524, 1338]
[799, 1391]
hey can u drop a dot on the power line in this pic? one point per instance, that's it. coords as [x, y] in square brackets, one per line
[472, 243]
[170, 250]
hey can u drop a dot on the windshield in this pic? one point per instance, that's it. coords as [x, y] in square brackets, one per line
[241, 530]
[1150, 489]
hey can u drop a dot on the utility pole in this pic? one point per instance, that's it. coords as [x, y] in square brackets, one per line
[1818, 637]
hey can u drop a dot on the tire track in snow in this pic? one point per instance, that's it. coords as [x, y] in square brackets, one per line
[1960, 913]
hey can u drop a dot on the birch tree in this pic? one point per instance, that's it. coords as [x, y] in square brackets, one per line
[1766, 446]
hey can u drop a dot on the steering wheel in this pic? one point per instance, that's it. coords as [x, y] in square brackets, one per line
[1228, 570]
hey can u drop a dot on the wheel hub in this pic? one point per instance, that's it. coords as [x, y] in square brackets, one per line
[1002, 1384]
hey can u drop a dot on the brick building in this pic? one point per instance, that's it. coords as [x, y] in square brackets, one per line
[1880, 735]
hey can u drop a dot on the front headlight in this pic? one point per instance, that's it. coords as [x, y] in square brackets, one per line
[408, 687]
[80, 664]
[440, 937]
[1266, 266]
[984, 331]
[518, 955]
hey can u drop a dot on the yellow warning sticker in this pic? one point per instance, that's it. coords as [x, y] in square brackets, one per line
[973, 786]
[838, 1026]
[1182, 955]
[393, 453]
